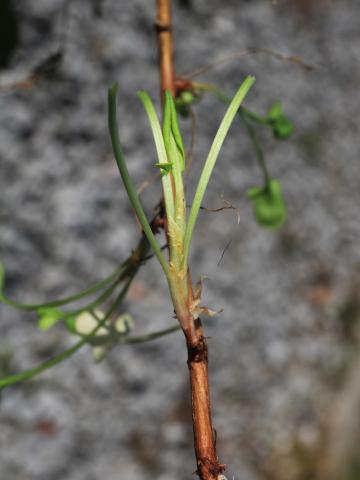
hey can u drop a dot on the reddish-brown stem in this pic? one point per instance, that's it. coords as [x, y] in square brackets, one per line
[163, 27]
[208, 466]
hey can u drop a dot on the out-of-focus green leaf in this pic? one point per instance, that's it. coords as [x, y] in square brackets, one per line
[188, 97]
[48, 317]
[268, 204]
[185, 100]
[275, 111]
[281, 126]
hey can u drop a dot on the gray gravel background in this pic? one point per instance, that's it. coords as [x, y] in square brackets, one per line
[278, 350]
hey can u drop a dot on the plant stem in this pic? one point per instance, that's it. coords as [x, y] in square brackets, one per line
[208, 467]
[165, 44]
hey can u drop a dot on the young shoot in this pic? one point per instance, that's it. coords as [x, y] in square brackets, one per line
[171, 162]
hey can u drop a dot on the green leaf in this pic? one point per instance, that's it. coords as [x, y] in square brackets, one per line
[124, 173]
[160, 149]
[211, 160]
[283, 128]
[275, 112]
[164, 167]
[185, 100]
[188, 97]
[70, 323]
[268, 204]
[48, 317]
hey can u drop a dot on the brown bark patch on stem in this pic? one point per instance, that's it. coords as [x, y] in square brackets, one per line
[208, 466]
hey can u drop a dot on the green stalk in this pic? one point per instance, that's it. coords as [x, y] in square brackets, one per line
[63, 301]
[128, 183]
[95, 303]
[123, 340]
[258, 150]
[208, 87]
[150, 336]
[211, 160]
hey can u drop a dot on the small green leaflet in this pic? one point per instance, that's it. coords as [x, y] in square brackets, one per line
[188, 97]
[281, 126]
[48, 317]
[269, 205]
[164, 167]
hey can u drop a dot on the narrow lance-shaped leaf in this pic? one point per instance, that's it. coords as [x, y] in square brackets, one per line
[211, 160]
[160, 149]
[128, 183]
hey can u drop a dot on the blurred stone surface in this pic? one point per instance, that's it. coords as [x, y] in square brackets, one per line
[276, 352]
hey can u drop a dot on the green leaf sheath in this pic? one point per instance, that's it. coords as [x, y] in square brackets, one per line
[281, 126]
[176, 155]
[63, 301]
[174, 127]
[129, 186]
[211, 160]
